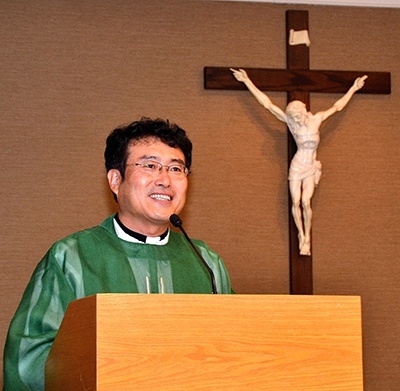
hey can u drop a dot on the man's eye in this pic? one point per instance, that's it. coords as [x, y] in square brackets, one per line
[176, 169]
[150, 166]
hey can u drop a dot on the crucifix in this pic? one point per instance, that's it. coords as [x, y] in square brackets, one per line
[298, 81]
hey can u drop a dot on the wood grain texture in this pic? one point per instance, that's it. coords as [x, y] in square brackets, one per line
[297, 58]
[311, 80]
[212, 342]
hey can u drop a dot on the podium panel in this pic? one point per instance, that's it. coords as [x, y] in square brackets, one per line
[123, 342]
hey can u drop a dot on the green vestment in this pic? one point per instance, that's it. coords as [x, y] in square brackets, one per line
[97, 261]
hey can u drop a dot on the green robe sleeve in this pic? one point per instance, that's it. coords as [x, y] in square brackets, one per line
[80, 265]
[218, 267]
[34, 326]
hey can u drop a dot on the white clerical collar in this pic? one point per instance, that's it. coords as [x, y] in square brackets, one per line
[122, 233]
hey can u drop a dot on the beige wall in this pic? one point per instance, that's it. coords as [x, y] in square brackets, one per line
[72, 71]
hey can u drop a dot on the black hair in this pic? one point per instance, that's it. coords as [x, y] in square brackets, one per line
[119, 140]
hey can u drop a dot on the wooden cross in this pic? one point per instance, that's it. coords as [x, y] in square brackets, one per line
[298, 81]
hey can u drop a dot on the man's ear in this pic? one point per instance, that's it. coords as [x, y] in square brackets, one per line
[114, 180]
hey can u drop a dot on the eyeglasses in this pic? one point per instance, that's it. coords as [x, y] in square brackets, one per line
[152, 167]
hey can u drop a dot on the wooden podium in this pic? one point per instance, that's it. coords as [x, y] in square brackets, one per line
[208, 342]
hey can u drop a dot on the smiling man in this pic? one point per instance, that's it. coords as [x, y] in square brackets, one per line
[134, 251]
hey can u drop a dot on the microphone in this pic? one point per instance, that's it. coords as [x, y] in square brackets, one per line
[177, 222]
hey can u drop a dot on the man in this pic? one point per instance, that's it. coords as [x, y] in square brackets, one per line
[147, 162]
[305, 169]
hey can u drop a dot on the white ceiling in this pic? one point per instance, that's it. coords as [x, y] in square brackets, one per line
[353, 3]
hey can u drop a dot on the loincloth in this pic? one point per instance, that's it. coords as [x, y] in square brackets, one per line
[299, 171]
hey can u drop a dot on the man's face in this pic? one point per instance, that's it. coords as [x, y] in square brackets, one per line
[298, 117]
[146, 199]
[299, 113]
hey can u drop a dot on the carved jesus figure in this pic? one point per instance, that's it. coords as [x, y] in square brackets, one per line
[305, 169]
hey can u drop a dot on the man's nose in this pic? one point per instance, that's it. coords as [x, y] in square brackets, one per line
[163, 177]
